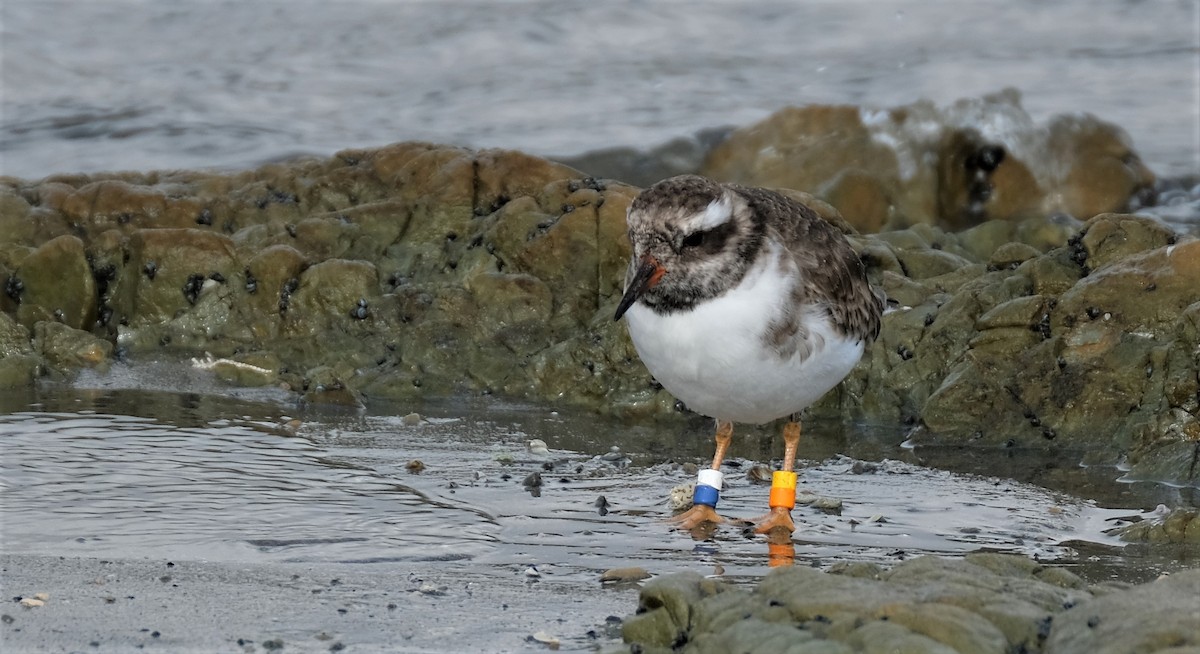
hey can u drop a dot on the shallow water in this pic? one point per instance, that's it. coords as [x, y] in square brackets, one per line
[120, 84]
[127, 474]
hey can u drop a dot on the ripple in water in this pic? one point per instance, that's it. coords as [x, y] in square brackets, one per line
[193, 479]
[112, 485]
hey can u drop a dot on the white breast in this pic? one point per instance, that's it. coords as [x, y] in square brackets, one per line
[714, 359]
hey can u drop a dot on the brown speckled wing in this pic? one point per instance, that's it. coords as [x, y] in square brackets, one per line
[832, 275]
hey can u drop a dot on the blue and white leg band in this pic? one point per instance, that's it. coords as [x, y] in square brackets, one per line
[708, 487]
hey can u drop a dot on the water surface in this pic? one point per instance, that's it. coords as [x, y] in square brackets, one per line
[123, 84]
[123, 473]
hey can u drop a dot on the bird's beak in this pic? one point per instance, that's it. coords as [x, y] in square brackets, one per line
[648, 273]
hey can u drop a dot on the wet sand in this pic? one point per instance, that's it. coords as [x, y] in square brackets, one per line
[130, 604]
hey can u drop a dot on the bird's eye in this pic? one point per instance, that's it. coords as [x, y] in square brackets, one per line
[695, 239]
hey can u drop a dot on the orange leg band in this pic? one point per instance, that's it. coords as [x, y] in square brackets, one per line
[783, 490]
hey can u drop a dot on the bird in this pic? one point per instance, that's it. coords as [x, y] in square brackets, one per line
[748, 307]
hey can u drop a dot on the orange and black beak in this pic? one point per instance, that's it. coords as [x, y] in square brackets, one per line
[648, 273]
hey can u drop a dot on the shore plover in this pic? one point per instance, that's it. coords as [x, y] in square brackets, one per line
[748, 307]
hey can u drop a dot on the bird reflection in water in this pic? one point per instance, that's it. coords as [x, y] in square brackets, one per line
[781, 549]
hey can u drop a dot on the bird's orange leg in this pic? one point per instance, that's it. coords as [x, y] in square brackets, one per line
[701, 513]
[783, 486]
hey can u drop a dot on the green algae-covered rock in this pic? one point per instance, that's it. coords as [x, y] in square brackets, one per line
[165, 272]
[57, 285]
[1160, 616]
[986, 603]
[665, 608]
[1179, 526]
[66, 348]
[418, 270]
[922, 164]
[19, 364]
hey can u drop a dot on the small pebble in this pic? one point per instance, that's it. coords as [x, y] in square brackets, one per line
[864, 467]
[830, 505]
[624, 574]
[601, 505]
[416, 466]
[537, 447]
[411, 420]
[546, 639]
[613, 454]
[680, 497]
[41, 596]
[532, 571]
[30, 602]
[759, 473]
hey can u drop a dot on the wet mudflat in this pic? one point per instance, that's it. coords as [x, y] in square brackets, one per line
[207, 518]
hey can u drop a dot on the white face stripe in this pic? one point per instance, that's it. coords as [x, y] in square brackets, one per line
[716, 213]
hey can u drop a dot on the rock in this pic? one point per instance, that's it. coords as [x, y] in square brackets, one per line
[512, 310]
[665, 609]
[1111, 237]
[324, 385]
[990, 161]
[810, 148]
[58, 285]
[1178, 526]
[642, 168]
[1159, 616]
[979, 178]
[1103, 172]
[68, 349]
[326, 296]
[988, 603]
[861, 196]
[14, 337]
[19, 370]
[1146, 291]
[418, 270]
[112, 204]
[269, 278]
[830, 505]
[1012, 255]
[546, 639]
[1051, 275]
[624, 574]
[927, 263]
[166, 272]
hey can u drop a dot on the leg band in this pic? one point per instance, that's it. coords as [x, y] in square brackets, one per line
[708, 488]
[783, 490]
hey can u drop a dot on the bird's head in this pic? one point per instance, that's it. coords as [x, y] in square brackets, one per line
[692, 239]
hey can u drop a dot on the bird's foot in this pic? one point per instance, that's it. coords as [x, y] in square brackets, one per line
[697, 516]
[778, 519]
